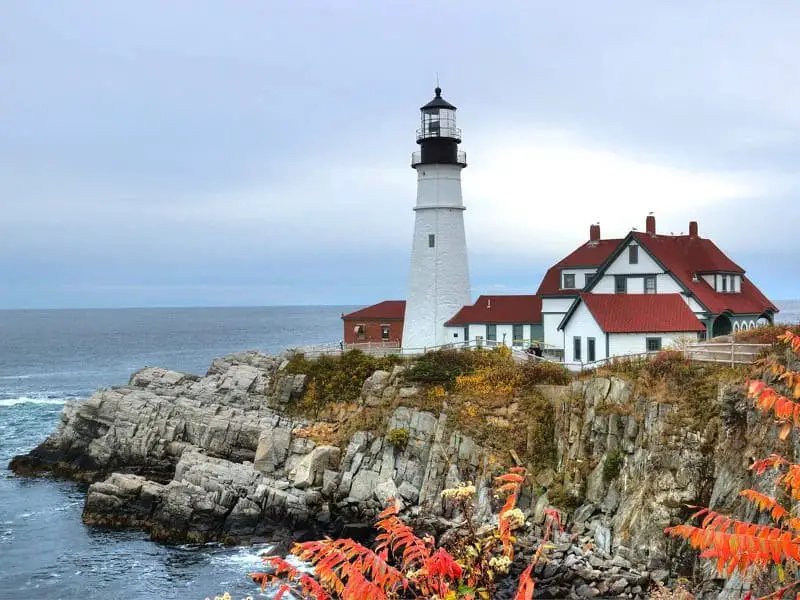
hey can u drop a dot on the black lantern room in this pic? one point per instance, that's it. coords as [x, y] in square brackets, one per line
[438, 136]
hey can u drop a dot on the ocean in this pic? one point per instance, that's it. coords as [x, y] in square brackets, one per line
[48, 356]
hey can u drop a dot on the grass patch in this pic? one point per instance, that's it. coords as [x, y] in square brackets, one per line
[612, 466]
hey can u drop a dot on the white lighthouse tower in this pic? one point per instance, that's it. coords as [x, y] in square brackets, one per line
[439, 283]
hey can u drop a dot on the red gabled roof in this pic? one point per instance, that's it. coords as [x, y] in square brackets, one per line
[591, 254]
[388, 309]
[641, 313]
[684, 256]
[524, 309]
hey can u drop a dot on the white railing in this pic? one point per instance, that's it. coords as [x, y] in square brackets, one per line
[733, 353]
[519, 351]
[374, 348]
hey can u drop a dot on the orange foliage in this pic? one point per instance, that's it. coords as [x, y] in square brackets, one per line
[405, 565]
[745, 547]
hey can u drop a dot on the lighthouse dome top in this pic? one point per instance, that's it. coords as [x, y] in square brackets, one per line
[438, 102]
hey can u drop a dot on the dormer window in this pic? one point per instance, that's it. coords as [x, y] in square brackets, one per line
[633, 255]
[569, 281]
[650, 284]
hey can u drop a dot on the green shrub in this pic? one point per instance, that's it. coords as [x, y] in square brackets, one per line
[441, 367]
[612, 466]
[333, 378]
[398, 437]
[337, 378]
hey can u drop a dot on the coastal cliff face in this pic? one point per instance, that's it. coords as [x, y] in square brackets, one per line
[218, 458]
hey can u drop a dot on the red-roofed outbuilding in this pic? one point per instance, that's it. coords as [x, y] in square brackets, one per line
[381, 322]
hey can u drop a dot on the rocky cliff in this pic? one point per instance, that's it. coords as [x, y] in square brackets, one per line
[215, 457]
[219, 457]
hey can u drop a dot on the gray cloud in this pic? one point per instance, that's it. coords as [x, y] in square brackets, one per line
[214, 153]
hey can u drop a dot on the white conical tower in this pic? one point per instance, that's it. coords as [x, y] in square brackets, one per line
[439, 283]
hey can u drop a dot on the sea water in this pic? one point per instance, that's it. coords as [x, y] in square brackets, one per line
[47, 357]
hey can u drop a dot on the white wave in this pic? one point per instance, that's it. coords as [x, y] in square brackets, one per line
[7, 377]
[245, 556]
[27, 400]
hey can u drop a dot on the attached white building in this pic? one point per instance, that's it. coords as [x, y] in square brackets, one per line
[599, 326]
[513, 320]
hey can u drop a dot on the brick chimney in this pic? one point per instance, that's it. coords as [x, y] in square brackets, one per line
[594, 233]
[650, 225]
[693, 228]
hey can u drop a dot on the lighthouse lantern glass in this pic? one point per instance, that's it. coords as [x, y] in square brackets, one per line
[439, 122]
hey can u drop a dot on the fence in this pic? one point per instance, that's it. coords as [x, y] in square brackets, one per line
[733, 353]
[384, 348]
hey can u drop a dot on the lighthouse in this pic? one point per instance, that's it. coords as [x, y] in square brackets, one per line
[439, 280]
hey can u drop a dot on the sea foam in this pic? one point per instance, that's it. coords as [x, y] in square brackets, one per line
[27, 400]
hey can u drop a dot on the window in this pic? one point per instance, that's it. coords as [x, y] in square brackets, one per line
[576, 349]
[724, 283]
[384, 332]
[650, 284]
[491, 333]
[590, 353]
[466, 333]
[569, 281]
[455, 335]
[361, 332]
[633, 255]
[653, 344]
[620, 284]
[431, 240]
[587, 279]
[516, 335]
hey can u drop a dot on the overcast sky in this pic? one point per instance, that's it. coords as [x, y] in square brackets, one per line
[247, 153]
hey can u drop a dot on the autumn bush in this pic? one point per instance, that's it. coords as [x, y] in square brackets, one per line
[766, 549]
[542, 372]
[444, 367]
[767, 334]
[404, 565]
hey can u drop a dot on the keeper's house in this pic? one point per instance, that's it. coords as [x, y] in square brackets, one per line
[652, 288]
